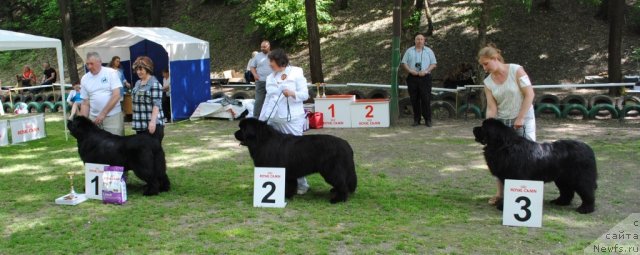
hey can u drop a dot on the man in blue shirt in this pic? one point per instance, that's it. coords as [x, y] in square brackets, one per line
[419, 61]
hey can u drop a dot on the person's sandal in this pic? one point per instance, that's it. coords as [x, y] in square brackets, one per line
[493, 200]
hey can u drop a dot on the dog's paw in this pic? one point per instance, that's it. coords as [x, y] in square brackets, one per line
[499, 204]
[584, 209]
[560, 202]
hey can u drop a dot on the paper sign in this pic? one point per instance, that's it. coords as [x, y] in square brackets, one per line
[27, 128]
[370, 113]
[523, 203]
[268, 187]
[93, 180]
[4, 133]
[336, 110]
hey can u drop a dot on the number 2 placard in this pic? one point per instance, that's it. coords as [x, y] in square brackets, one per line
[268, 187]
[523, 203]
[93, 180]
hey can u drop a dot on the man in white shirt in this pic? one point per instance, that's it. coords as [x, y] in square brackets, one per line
[100, 90]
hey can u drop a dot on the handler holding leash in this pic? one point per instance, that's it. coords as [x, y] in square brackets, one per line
[283, 107]
[509, 96]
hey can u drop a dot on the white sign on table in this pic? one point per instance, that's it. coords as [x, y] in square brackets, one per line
[93, 180]
[4, 133]
[370, 113]
[268, 187]
[522, 203]
[27, 128]
[336, 110]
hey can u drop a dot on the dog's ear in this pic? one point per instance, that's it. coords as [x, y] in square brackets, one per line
[479, 135]
[496, 132]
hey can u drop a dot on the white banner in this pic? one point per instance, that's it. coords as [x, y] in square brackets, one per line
[4, 134]
[27, 129]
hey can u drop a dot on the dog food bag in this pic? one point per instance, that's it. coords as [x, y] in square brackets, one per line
[114, 190]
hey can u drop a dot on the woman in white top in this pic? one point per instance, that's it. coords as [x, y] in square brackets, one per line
[283, 105]
[509, 96]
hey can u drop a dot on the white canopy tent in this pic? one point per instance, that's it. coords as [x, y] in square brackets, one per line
[186, 58]
[10, 40]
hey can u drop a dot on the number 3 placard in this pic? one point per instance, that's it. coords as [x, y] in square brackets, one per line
[523, 203]
[268, 187]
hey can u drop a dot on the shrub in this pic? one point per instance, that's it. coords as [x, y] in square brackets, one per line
[285, 21]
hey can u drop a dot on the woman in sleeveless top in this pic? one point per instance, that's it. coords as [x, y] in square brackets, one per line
[509, 96]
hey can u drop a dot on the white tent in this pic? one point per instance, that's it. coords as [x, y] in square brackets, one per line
[10, 40]
[186, 58]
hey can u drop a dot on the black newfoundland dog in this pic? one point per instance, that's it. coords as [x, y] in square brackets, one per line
[141, 153]
[330, 156]
[570, 164]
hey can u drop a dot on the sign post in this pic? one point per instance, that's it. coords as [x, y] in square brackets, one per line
[522, 203]
[268, 187]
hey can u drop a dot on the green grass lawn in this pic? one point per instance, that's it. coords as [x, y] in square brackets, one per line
[421, 191]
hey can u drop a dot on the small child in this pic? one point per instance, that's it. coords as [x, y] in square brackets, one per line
[74, 99]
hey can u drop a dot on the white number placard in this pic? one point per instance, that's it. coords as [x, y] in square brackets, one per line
[336, 110]
[4, 134]
[27, 128]
[93, 180]
[268, 187]
[370, 113]
[523, 203]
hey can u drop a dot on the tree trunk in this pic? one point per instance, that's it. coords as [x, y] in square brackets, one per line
[482, 35]
[156, 13]
[427, 13]
[407, 35]
[103, 14]
[616, 22]
[65, 15]
[315, 61]
[130, 18]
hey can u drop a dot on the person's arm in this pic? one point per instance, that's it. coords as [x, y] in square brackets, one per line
[409, 70]
[302, 92]
[528, 95]
[115, 98]
[84, 110]
[430, 68]
[156, 100]
[492, 105]
[255, 73]
[52, 78]
[71, 95]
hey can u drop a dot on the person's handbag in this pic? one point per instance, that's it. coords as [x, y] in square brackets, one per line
[315, 120]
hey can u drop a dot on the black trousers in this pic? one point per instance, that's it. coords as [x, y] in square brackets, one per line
[166, 106]
[159, 134]
[420, 95]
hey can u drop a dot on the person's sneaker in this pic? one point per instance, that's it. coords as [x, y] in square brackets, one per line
[302, 190]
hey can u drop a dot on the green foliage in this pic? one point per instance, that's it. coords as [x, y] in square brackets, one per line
[285, 21]
[413, 22]
[634, 17]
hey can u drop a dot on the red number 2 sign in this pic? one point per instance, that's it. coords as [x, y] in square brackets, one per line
[370, 112]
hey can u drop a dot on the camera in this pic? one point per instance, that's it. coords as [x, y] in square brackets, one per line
[418, 66]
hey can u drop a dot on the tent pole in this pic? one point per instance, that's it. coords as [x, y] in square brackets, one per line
[62, 99]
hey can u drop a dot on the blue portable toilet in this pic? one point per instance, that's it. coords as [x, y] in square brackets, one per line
[186, 58]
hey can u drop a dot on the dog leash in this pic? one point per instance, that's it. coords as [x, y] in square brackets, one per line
[276, 105]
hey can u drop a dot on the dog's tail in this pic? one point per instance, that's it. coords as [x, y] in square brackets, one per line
[161, 169]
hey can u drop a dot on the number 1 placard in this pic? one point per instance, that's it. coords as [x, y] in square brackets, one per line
[93, 180]
[523, 203]
[268, 187]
